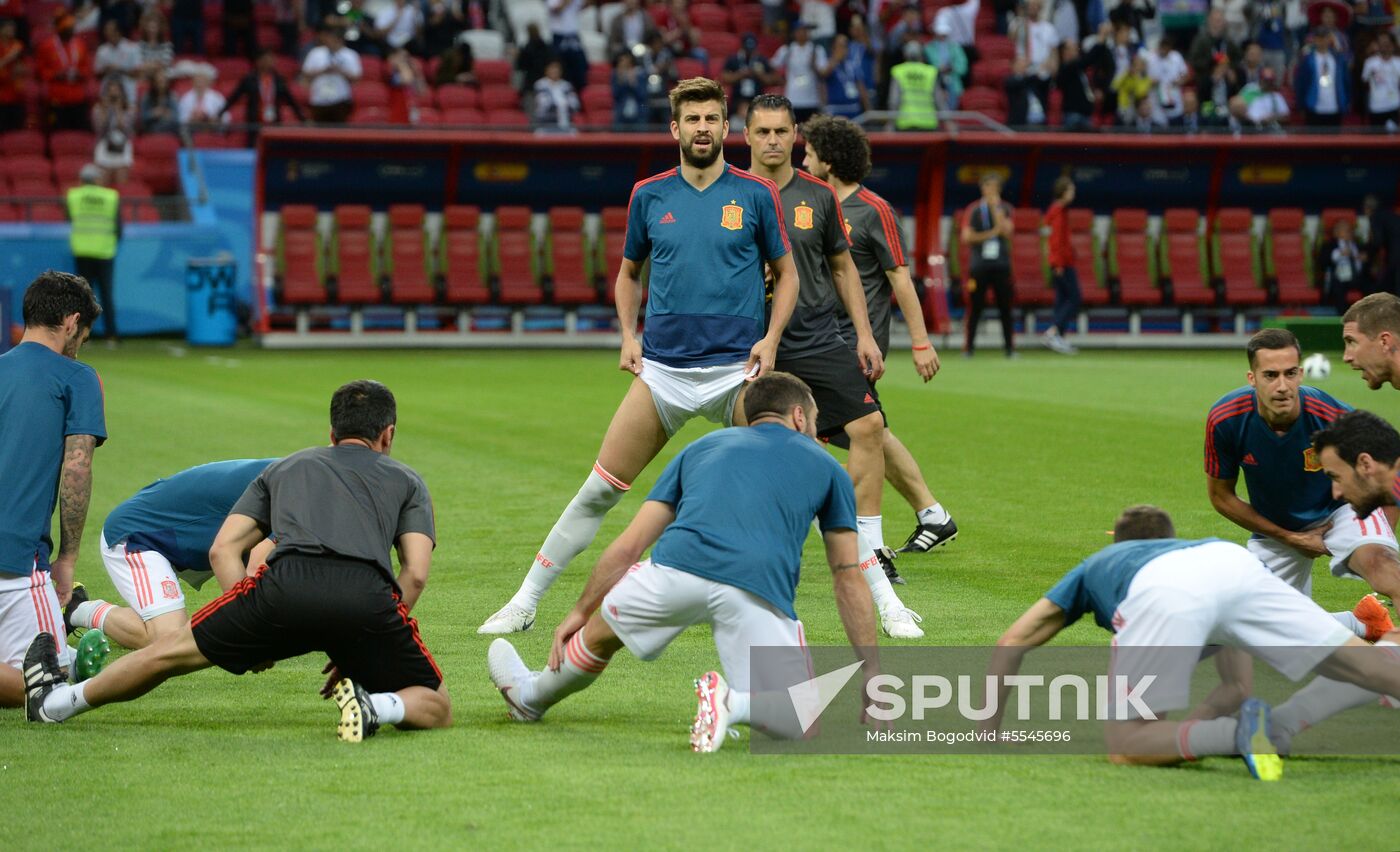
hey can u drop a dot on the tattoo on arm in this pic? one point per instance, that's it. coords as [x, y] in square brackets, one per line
[74, 490]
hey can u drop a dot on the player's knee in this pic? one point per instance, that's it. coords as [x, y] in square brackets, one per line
[869, 429]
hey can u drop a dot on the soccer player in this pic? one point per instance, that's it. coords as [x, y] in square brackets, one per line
[1063, 273]
[987, 229]
[838, 152]
[162, 535]
[1371, 337]
[51, 420]
[1161, 597]
[1265, 431]
[728, 516]
[329, 586]
[709, 229]
[813, 349]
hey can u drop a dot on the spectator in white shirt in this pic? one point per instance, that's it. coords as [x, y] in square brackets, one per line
[1168, 71]
[1036, 40]
[203, 104]
[1381, 75]
[803, 60]
[119, 56]
[555, 98]
[397, 26]
[331, 67]
[1268, 108]
[563, 26]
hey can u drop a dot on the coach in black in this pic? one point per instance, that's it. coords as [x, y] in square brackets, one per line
[987, 228]
[328, 586]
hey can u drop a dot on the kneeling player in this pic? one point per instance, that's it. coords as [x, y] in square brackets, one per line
[335, 512]
[1161, 595]
[1264, 430]
[729, 516]
[162, 535]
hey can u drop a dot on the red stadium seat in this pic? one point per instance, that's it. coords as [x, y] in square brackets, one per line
[747, 18]
[22, 142]
[687, 68]
[352, 252]
[156, 163]
[299, 256]
[10, 213]
[371, 70]
[1236, 260]
[984, 99]
[406, 257]
[991, 73]
[568, 258]
[26, 167]
[37, 186]
[1181, 258]
[610, 245]
[464, 117]
[720, 45]
[47, 211]
[230, 68]
[492, 72]
[1000, 48]
[370, 92]
[459, 256]
[599, 74]
[1287, 259]
[507, 118]
[599, 100]
[516, 267]
[67, 169]
[369, 115]
[72, 143]
[709, 17]
[1086, 257]
[458, 97]
[1131, 259]
[499, 97]
[1028, 260]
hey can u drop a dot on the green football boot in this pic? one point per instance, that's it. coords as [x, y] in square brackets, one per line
[91, 655]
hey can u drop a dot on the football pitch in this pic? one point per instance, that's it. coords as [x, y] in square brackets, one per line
[1033, 457]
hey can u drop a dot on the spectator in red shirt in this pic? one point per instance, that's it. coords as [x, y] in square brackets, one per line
[64, 64]
[11, 68]
[1064, 276]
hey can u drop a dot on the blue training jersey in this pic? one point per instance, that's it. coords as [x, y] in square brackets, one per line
[744, 501]
[1099, 583]
[44, 398]
[178, 517]
[705, 299]
[1285, 479]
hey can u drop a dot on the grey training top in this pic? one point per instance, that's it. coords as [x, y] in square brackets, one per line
[877, 246]
[817, 231]
[346, 501]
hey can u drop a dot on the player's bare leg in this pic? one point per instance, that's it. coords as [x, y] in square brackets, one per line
[131, 676]
[125, 627]
[1379, 566]
[11, 687]
[935, 525]
[866, 464]
[633, 439]
[425, 708]
[529, 694]
[1356, 675]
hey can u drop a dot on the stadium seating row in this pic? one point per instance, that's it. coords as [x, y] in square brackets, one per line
[465, 264]
[1223, 264]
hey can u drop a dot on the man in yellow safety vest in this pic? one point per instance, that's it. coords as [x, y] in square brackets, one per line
[93, 210]
[912, 91]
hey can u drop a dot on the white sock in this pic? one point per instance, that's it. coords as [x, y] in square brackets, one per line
[578, 671]
[934, 515]
[873, 528]
[1201, 737]
[880, 588]
[66, 701]
[1351, 623]
[1320, 700]
[91, 614]
[572, 533]
[738, 707]
[388, 707]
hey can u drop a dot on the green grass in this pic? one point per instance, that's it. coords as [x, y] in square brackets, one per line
[1034, 458]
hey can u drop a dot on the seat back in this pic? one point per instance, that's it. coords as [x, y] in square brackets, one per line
[1028, 259]
[568, 258]
[1131, 259]
[406, 257]
[1235, 257]
[356, 266]
[459, 256]
[610, 245]
[1287, 259]
[1182, 259]
[1088, 261]
[516, 268]
[299, 256]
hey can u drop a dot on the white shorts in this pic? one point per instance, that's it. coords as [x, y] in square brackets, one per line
[1215, 594]
[1348, 533]
[681, 393]
[145, 579]
[652, 604]
[28, 607]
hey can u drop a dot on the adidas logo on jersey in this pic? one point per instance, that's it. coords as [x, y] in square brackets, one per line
[668, 219]
[869, 400]
[1249, 459]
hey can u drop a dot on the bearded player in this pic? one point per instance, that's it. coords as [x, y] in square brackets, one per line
[838, 152]
[708, 229]
[1371, 337]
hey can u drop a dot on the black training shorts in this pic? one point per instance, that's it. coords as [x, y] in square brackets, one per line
[842, 391]
[342, 607]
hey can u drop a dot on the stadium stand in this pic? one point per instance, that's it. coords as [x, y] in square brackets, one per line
[516, 265]
[300, 260]
[1028, 270]
[567, 258]
[460, 258]
[609, 251]
[1235, 258]
[406, 257]
[1182, 260]
[1132, 261]
[1287, 260]
[353, 257]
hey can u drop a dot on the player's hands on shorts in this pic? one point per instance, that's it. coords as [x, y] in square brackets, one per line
[631, 359]
[61, 575]
[926, 362]
[761, 358]
[1309, 542]
[333, 677]
[572, 623]
[871, 361]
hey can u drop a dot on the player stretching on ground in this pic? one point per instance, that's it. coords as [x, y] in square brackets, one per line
[162, 535]
[1266, 430]
[1162, 598]
[50, 420]
[728, 516]
[708, 228]
[813, 349]
[838, 152]
[1371, 336]
[329, 586]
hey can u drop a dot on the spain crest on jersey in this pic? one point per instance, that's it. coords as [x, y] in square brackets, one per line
[802, 217]
[732, 218]
[1311, 463]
